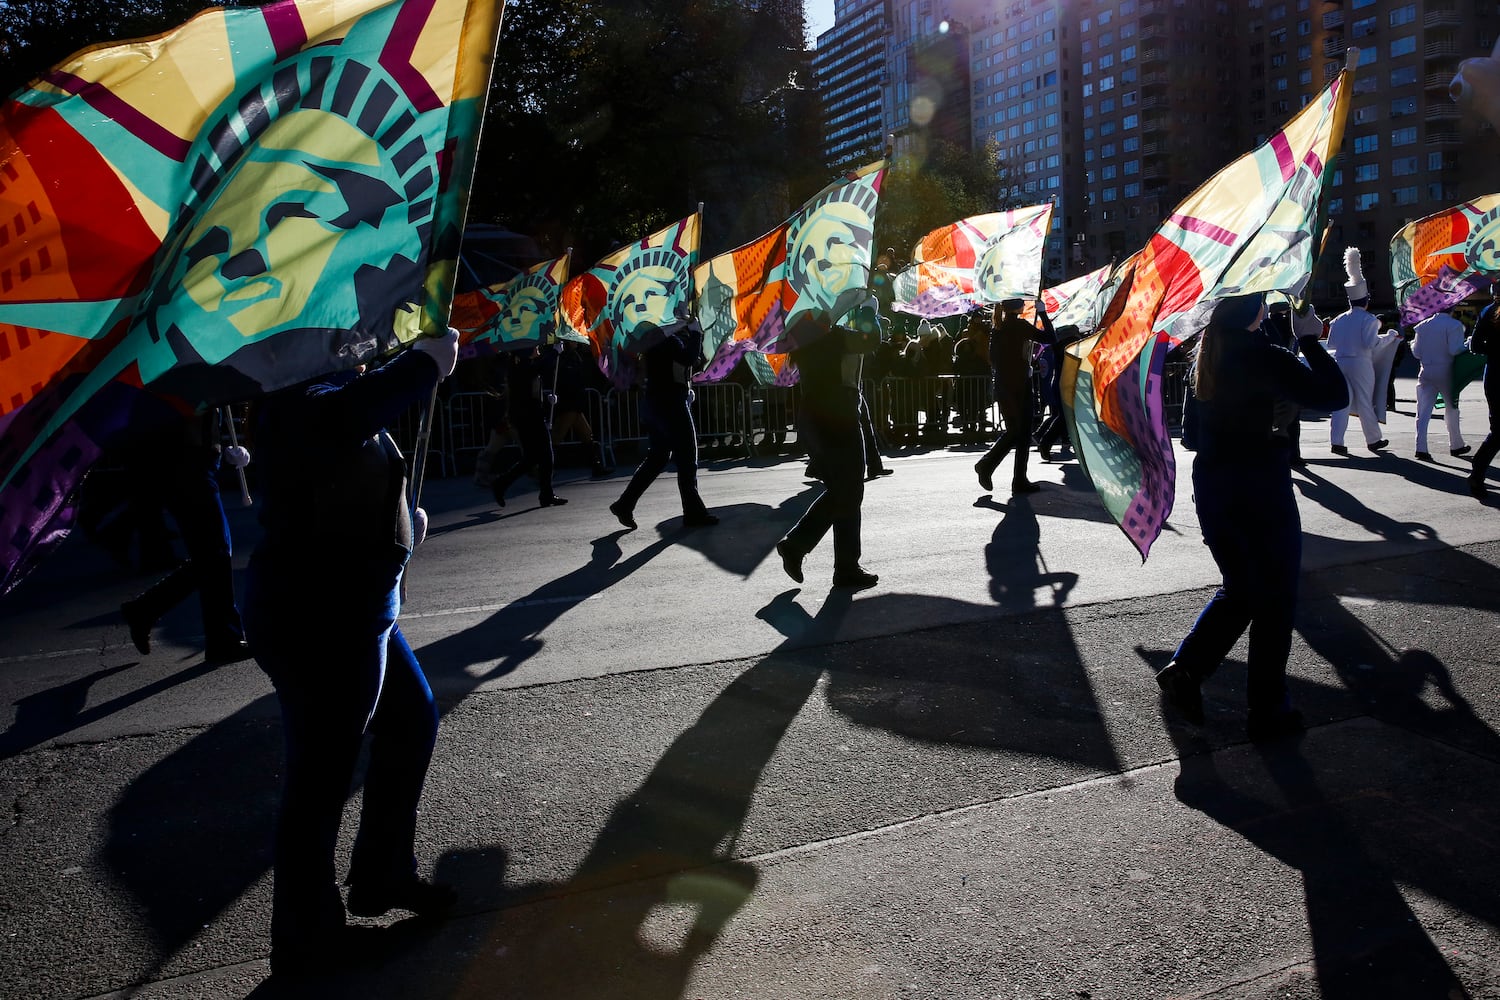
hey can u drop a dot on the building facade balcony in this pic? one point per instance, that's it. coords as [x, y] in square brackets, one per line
[1439, 17]
[1445, 48]
[1333, 19]
[1442, 111]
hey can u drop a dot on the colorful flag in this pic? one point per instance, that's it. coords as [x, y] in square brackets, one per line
[793, 283]
[513, 315]
[974, 262]
[254, 198]
[634, 297]
[1252, 227]
[1439, 261]
[1079, 302]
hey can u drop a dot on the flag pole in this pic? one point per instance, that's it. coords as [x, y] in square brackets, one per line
[464, 176]
[234, 441]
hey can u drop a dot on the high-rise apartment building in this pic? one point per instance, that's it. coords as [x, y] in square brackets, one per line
[1119, 109]
[1408, 150]
[849, 68]
[1156, 115]
[1021, 68]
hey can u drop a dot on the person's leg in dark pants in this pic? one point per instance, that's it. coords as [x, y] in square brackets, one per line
[1490, 446]
[659, 442]
[328, 679]
[403, 731]
[684, 446]
[837, 447]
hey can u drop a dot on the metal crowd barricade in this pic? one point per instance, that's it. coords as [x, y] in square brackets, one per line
[622, 409]
[773, 413]
[467, 423]
[721, 415]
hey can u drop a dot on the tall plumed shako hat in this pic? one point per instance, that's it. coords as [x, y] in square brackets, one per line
[1355, 287]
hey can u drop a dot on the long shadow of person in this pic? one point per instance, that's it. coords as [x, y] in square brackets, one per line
[1337, 828]
[660, 881]
[48, 714]
[515, 631]
[1015, 684]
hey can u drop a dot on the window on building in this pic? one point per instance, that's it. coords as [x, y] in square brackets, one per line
[1403, 76]
[1364, 115]
[1404, 136]
[1404, 166]
[1132, 190]
[1434, 161]
[1131, 167]
[1109, 194]
[1404, 46]
[1304, 53]
[1107, 106]
[1403, 106]
[1366, 143]
[1130, 121]
[1365, 202]
[1366, 172]
[1107, 83]
[1363, 28]
[1304, 78]
[1405, 195]
[1109, 172]
[1131, 143]
[1127, 53]
[1335, 206]
[1405, 14]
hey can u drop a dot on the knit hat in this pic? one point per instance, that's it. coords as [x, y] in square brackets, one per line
[1355, 287]
[1238, 312]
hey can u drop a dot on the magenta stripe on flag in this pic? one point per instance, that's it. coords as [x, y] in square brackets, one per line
[396, 58]
[1314, 163]
[1283, 155]
[284, 23]
[141, 126]
[1216, 233]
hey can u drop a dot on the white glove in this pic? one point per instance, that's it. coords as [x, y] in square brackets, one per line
[1307, 324]
[237, 455]
[691, 394]
[442, 350]
[418, 527]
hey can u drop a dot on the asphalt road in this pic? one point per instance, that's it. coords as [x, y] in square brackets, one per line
[665, 771]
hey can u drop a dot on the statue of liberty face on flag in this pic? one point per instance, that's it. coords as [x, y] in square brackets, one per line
[650, 296]
[275, 240]
[828, 257]
[526, 314]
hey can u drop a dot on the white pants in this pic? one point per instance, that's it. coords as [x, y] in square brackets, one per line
[1359, 373]
[1427, 393]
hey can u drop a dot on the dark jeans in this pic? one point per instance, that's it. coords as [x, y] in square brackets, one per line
[1251, 525]
[536, 453]
[671, 437]
[340, 665]
[1490, 446]
[835, 445]
[193, 500]
[1017, 416]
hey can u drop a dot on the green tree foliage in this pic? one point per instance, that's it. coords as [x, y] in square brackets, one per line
[934, 185]
[610, 118]
[37, 34]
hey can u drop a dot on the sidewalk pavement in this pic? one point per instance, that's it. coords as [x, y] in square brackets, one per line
[995, 809]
